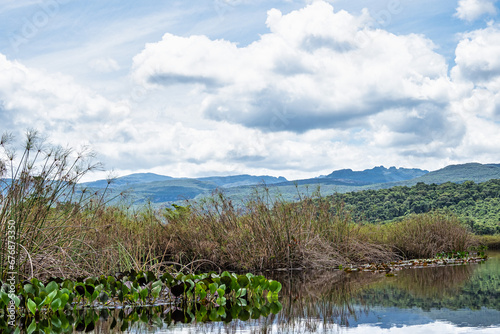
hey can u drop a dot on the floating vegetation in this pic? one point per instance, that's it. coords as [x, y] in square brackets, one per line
[442, 259]
[124, 319]
[206, 297]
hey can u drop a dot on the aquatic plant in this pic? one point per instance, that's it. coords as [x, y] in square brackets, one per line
[42, 212]
[211, 291]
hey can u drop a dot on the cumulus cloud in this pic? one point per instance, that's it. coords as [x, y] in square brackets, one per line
[52, 103]
[322, 84]
[471, 10]
[478, 55]
[315, 69]
[477, 73]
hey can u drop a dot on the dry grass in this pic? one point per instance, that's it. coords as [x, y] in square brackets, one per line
[425, 235]
[490, 241]
[63, 231]
[314, 233]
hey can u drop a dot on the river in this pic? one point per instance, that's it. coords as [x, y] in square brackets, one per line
[446, 299]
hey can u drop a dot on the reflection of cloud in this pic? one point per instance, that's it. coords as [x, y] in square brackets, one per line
[471, 10]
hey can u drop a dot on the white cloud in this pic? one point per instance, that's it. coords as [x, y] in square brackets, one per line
[471, 10]
[322, 84]
[52, 103]
[478, 55]
[315, 69]
[104, 65]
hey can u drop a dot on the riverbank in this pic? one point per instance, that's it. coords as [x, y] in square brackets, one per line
[50, 227]
[214, 235]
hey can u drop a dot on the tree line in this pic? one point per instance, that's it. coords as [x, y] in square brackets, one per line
[476, 204]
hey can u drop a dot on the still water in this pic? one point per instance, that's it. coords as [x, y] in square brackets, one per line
[450, 299]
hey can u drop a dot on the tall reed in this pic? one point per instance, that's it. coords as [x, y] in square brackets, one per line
[268, 234]
[39, 197]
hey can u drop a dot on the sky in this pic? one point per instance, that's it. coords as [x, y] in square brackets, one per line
[287, 88]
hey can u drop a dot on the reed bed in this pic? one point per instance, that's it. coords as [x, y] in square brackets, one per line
[65, 231]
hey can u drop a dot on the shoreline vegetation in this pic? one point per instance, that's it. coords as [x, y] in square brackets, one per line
[62, 231]
[51, 228]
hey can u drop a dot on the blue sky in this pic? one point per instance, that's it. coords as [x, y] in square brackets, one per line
[285, 88]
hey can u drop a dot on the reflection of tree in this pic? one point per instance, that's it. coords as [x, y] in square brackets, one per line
[456, 287]
[320, 301]
[308, 297]
[436, 282]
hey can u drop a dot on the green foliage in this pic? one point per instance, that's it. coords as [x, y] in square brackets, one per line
[120, 320]
[477, 205]
[143, 288]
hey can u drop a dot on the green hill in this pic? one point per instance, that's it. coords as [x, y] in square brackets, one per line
[459, 173]
[477, 204]
[164, 190]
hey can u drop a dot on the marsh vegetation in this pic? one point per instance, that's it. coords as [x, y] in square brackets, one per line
[52, 230]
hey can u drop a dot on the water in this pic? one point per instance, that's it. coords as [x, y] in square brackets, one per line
[455, 299]
[451, 299]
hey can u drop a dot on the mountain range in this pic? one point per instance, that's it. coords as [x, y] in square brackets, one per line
[164, 190]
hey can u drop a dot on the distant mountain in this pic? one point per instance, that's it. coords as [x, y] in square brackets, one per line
[142, 187]
[167, 191]
[377, 174]
[128, 180]
[161, 189]
[348, 177]
[242, 180]
[459, 173]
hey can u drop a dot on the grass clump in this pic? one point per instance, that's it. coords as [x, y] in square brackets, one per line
[265, 234]
[490, 241]
[425, 235]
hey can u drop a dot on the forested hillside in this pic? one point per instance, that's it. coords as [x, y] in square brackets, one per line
[477, 204]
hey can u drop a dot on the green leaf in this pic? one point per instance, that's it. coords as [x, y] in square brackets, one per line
[243, 281]
[55, 304]
[274, 286]
[120, 296]
[213, 287]
[55, 321]
[16, 300]
[31, 327]
[64, 299]
[221, 301]
[221, 311]
[276, 307]
[32, 306]
[255, 313]
[241, 293]
[244, 315]
[28, 288]
[5, 298]
[52, 286]
[156, 284]
[144, 294]
[103, 297]
[155, 292]
[213, 315]
[51, 295]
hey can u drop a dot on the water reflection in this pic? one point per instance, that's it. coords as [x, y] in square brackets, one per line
[459, 299]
